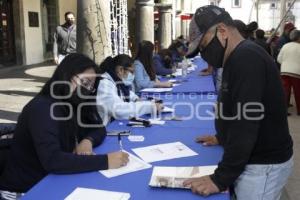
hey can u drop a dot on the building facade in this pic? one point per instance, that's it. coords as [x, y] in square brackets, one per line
[27, 27]
[268, 15]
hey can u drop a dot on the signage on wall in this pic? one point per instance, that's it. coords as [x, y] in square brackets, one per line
[33, 19]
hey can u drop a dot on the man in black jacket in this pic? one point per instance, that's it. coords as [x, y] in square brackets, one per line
[251, 121]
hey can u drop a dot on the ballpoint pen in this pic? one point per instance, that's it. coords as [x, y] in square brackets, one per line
[120, 142]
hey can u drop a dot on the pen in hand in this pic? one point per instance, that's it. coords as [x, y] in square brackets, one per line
[120, 142]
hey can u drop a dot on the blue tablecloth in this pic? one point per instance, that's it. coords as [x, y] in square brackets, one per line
[196, 111]
[55, 187]
[193, 82]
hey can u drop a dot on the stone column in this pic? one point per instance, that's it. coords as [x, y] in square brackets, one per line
[184, 29]
[145, 20]
[186, 6]
[93, 29]
[178, 18]
[165, 25]
[282, 14]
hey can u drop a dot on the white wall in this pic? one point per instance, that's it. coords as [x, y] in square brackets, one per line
[268, 18]
[296, 12]
[243, 13]
[33, 35]
[65, 6]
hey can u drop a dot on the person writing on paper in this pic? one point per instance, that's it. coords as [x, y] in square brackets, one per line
[162, 63]
[114, 98]
[54, 135]
[178, 50]
[145, 76]
[251, 120]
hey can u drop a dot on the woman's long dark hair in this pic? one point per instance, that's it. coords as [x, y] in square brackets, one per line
[110, 65]
[71, 66]
[145, 55]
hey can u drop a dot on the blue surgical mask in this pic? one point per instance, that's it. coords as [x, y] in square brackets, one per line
[129, 80]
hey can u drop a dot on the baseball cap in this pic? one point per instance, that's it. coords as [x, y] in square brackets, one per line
[204, 18]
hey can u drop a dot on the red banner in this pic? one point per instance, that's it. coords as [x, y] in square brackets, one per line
[186, 17]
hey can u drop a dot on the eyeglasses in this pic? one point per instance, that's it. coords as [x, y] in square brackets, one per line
[87, 84]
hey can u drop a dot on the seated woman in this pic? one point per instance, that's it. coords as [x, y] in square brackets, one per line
[49, 138]
[114, 99]
[179, 50]
[145, 76]
[162, 63]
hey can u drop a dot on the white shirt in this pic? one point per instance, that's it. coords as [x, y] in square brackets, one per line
[110, 104]
[289, 58]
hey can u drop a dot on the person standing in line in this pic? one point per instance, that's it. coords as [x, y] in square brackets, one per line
[65, 38]
[251, 121]
[289, 58]
[261, 40]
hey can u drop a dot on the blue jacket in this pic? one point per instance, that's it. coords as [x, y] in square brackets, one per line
[142, 79]
[176, 57]
[159, 66]
[37, 147]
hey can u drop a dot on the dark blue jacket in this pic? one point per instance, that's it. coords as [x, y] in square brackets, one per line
[37, 151]
[159, 66]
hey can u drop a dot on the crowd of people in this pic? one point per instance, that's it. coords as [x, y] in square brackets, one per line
[258, 152]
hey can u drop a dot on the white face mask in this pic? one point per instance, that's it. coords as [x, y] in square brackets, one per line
[129, 80]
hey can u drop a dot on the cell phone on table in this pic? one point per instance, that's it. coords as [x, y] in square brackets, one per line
[117, 132]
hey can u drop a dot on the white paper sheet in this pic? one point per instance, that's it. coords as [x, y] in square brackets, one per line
[168, 110]
[164, 152]
[134, 164]
[157, 121]
[157, 90]
[192, 68]
[178, 72]
[92, 194]
[174, 177]
[173, 81]
[176, 84]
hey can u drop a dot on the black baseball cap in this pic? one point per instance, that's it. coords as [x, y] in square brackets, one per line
[204, 18]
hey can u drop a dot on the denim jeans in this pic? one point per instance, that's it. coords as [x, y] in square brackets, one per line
[5, 195]
[263, 182]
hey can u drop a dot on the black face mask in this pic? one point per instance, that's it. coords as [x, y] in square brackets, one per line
[214, 52]
[79, 97]
[69, 22]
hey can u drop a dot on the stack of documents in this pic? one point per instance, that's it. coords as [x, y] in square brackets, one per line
[134, 164]
[164, 152]
[173, 177]
[92, 194]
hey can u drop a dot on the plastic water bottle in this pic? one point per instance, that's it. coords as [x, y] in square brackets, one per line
[184, 67]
